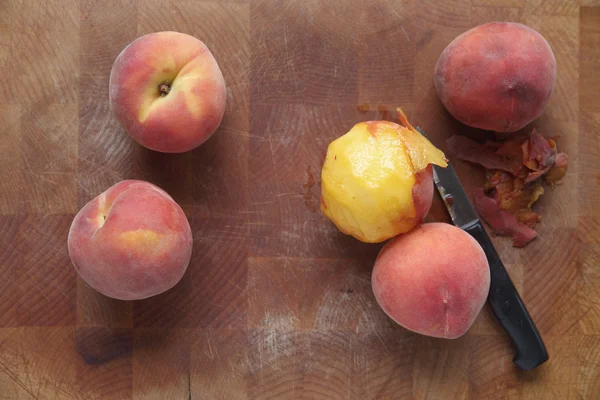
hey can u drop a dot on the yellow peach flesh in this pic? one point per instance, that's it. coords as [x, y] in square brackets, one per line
[369, 175]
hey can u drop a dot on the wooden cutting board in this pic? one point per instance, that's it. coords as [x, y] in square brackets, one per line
[276, 303]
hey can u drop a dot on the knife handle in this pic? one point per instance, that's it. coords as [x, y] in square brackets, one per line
[509, 308]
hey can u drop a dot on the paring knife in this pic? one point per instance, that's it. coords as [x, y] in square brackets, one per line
[503, 296]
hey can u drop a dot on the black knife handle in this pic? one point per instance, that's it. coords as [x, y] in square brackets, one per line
[509, 308]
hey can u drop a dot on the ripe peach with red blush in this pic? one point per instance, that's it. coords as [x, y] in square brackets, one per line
[131, 242]
[433, 280]
[167, 91]
[497, 76]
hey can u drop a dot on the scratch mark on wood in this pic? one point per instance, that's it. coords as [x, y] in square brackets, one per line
[242, 133]
[189, 386]
[40, 176]
[211, 350]
[400, 18]
[39, 290]
[100, 166]
[271, 148]
[372, 326]
[236, 285]
[15, 378]
[293, 315]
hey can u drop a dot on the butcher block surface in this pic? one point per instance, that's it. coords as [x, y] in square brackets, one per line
[276, 303]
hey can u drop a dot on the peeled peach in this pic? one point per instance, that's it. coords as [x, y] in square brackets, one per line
[497, 76]
[433, 280]
[167, 91]
[376, 180]
[131, 242]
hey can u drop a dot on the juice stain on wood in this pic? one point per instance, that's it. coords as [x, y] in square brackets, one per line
[385, 113]
[309, 196]
[363, 107]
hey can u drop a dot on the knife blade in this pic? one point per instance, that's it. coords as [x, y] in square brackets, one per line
[503, 297]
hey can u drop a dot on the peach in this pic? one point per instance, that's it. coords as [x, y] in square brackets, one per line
[376, 181]
[167, 91]
[498, 76]
[433, 280]
[131, 242]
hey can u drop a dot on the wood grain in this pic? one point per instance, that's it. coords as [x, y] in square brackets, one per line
[276, 304]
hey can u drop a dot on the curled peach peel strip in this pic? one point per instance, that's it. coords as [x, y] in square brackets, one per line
[433, 154]
[404, 119]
